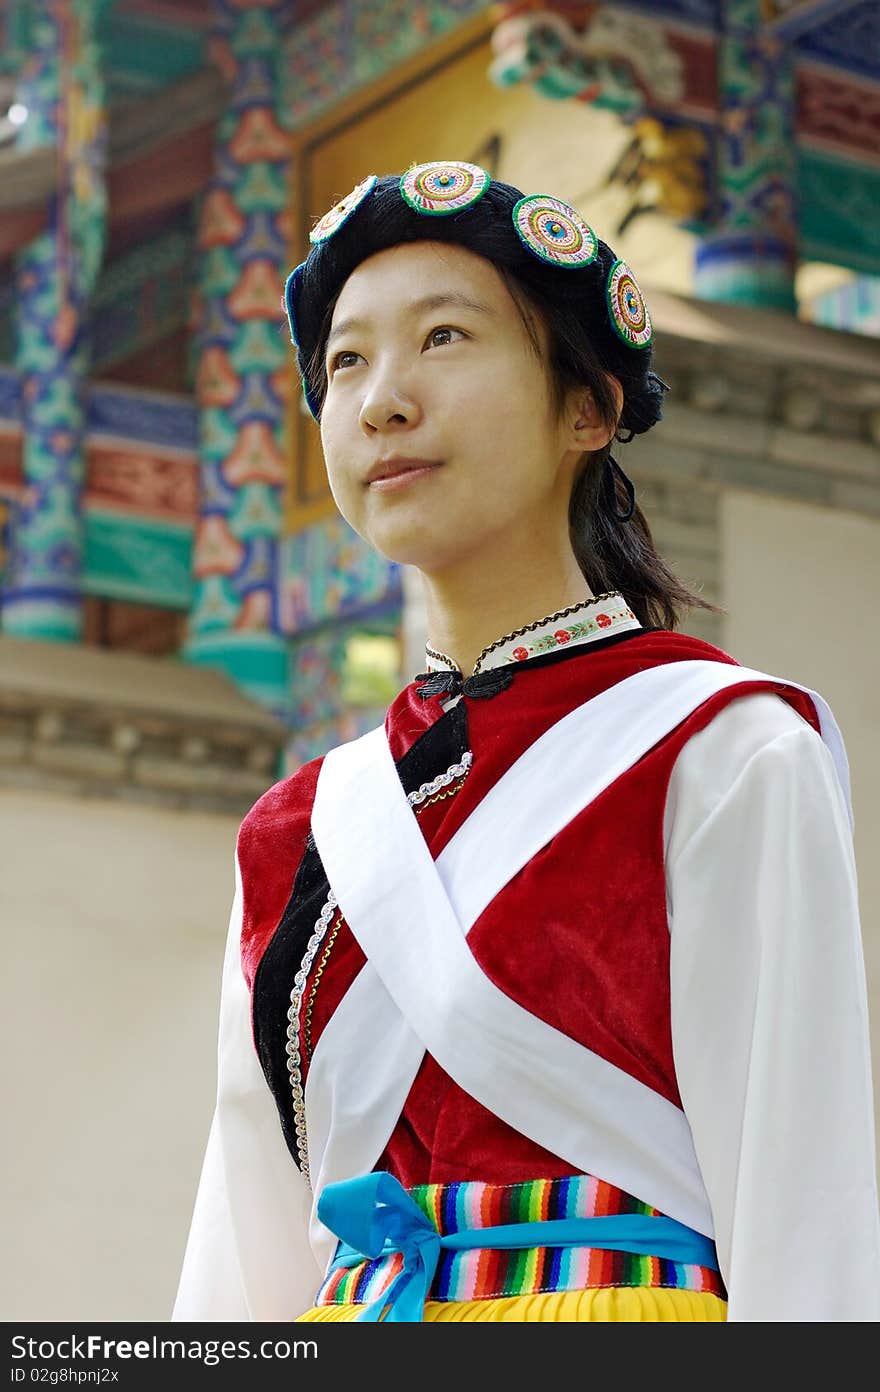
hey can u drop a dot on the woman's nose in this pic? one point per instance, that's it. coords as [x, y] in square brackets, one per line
[387, 406]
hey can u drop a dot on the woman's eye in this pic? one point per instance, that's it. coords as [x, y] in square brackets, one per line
[437, 338]
[343, 359]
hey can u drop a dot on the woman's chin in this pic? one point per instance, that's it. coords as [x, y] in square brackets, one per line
[425, 549]
[428, 561]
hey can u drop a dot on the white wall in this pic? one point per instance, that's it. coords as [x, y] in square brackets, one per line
[114, 919]
[802, 584]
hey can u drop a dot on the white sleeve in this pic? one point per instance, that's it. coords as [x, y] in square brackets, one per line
[248, 1255]
[769, 1015]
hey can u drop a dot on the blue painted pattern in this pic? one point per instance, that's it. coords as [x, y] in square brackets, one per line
[849, 40]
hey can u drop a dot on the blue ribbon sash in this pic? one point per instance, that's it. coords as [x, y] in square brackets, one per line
[374, 1216]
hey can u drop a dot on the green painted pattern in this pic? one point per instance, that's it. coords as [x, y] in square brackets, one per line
[144, 53]
[839, 217]
[254, 661]
[134, 559]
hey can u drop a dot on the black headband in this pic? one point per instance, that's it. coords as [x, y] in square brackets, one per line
[539, 238]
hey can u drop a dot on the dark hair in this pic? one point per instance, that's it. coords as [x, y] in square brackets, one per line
[612, 555]
[582, 347]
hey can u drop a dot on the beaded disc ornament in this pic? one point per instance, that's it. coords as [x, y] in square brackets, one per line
[341, 212]
[627, 308]
[444, 187]
[553, 231]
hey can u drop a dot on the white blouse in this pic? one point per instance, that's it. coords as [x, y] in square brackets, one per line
[770, 1038]
[769, 1015]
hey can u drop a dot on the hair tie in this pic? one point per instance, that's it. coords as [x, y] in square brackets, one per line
[611, 468]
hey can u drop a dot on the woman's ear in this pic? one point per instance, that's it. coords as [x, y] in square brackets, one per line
[589, 430]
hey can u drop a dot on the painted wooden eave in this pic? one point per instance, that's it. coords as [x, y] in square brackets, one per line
[160, 153]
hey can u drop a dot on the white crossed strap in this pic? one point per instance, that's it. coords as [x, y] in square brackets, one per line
[421, 988]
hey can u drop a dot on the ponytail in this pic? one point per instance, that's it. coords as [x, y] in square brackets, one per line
[615, 554]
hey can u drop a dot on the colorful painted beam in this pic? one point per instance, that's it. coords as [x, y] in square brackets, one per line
[139, 498]
[792, 128]
[160, 153]
[791, 19]
[674, 65]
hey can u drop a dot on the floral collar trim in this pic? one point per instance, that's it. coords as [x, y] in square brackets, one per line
[580, 623]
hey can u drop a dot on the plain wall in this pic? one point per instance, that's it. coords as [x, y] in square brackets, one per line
[114, 919]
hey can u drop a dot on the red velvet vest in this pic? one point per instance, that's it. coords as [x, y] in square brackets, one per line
[579, 937]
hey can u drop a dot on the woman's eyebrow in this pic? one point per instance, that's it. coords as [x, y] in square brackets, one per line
[442, 300]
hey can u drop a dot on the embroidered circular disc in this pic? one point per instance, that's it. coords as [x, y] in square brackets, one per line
[627, 308]
[554, 231]
[341, 212]
[446, 186]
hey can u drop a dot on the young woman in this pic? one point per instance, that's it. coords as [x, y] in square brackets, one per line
[545, 1000]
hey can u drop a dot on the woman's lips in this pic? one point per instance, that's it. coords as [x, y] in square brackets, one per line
[402, 480]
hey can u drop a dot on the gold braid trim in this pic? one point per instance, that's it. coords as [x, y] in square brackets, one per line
[307, 1024]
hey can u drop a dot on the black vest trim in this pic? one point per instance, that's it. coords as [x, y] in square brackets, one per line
[442, 744]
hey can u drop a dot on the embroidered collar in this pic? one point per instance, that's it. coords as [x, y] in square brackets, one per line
[572, 627]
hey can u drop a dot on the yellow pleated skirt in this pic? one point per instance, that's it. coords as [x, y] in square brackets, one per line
[606, 1305]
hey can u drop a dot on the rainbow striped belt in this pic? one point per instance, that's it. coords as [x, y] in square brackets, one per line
[393, 1255]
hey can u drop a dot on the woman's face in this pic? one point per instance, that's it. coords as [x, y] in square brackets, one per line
[432, 377]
